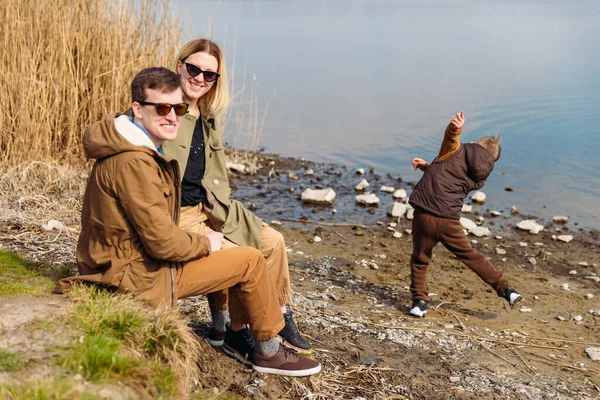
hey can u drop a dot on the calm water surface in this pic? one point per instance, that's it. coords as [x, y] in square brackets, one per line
[374, 82]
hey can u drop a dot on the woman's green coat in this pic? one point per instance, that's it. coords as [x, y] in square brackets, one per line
[226, 215]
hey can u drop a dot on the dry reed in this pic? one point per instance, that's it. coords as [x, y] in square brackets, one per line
[66, 63]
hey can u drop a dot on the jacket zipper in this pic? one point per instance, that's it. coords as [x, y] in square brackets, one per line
[175, 215]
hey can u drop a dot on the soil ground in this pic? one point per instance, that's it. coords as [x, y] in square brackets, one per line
[351, 299]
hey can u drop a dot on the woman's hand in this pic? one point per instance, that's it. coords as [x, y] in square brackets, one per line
[216, 241]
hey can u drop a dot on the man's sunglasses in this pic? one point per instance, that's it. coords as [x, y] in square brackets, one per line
[163, 109]
[193, 70]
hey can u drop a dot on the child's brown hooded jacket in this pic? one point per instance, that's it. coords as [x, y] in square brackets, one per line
[446, 183]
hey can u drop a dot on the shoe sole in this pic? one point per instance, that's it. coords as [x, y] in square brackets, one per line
[215, 343]
[275, 371]
[232, 353]
[517, 300]
[291, 346]
[417, 312]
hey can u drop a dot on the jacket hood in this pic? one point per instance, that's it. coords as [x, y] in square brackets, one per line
[115, 134]
[480, 162]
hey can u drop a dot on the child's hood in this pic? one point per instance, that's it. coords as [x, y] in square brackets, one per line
[480, 162]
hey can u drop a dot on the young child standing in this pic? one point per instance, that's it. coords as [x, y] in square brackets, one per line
[438, 198]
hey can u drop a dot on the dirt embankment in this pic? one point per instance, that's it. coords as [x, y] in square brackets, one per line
[351, 298]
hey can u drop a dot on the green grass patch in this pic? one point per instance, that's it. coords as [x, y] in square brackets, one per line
[41, 325]
[19, 276]
[122, 339]
[10, 361]
[56, 389]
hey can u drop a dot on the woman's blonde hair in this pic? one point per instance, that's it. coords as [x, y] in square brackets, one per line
[216, 100]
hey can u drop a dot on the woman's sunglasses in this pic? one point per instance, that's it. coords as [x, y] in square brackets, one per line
[193, 70]
[163, 109]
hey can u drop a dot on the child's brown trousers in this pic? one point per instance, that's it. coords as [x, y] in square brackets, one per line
[427, 231]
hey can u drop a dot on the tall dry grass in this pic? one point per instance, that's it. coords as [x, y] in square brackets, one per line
[66, 63]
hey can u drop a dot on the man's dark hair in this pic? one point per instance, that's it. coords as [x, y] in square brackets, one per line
[155, 78]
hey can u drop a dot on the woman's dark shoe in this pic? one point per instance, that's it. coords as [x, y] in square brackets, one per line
[291, 337]
[239, 345]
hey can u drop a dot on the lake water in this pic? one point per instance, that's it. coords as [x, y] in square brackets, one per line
[373, 83]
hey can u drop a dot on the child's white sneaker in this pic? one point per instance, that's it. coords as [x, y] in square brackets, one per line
[512, 296]
[418, 308]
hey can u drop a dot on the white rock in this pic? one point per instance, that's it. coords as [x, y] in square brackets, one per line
[560, 218]
[360, 171]
[83, 175]
[498, 237]
[480, 231]
[500, 251]
[514, 210]
[309, 172]
[400, 194]
[373, 265]
[572, 272]
[525, 309]
[564, 286]
[593, 278]
[397, 235]
[466, 208]
[588, 296]
[577, 318]
[583, 263]
[530, 225]
[593, 353]
[478, 197]
[235, 167]
[52, 224]
[387, 189]
[522, 244]
[334, 211]
[449, 326]
[532, 260]
[367, 199]
[454, 379]
[410, 214]
[539, 244]
[474, 241]
[496, 213]
[393, 224]
[380, 223]
[467, 223]
[396, 209]
[561, 318]
[362, 185]
[391, 229]
[317, 239]
[408, 231]
[324, 196]
[276, 223]
[565, 238]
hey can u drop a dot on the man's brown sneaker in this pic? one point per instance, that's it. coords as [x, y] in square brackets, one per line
[286, 362]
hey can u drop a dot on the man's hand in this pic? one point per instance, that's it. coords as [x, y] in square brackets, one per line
[420, 164]
[457, 121]
[216, 241]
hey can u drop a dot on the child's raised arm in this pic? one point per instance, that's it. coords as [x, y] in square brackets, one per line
[451, 141]
[420, 164]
